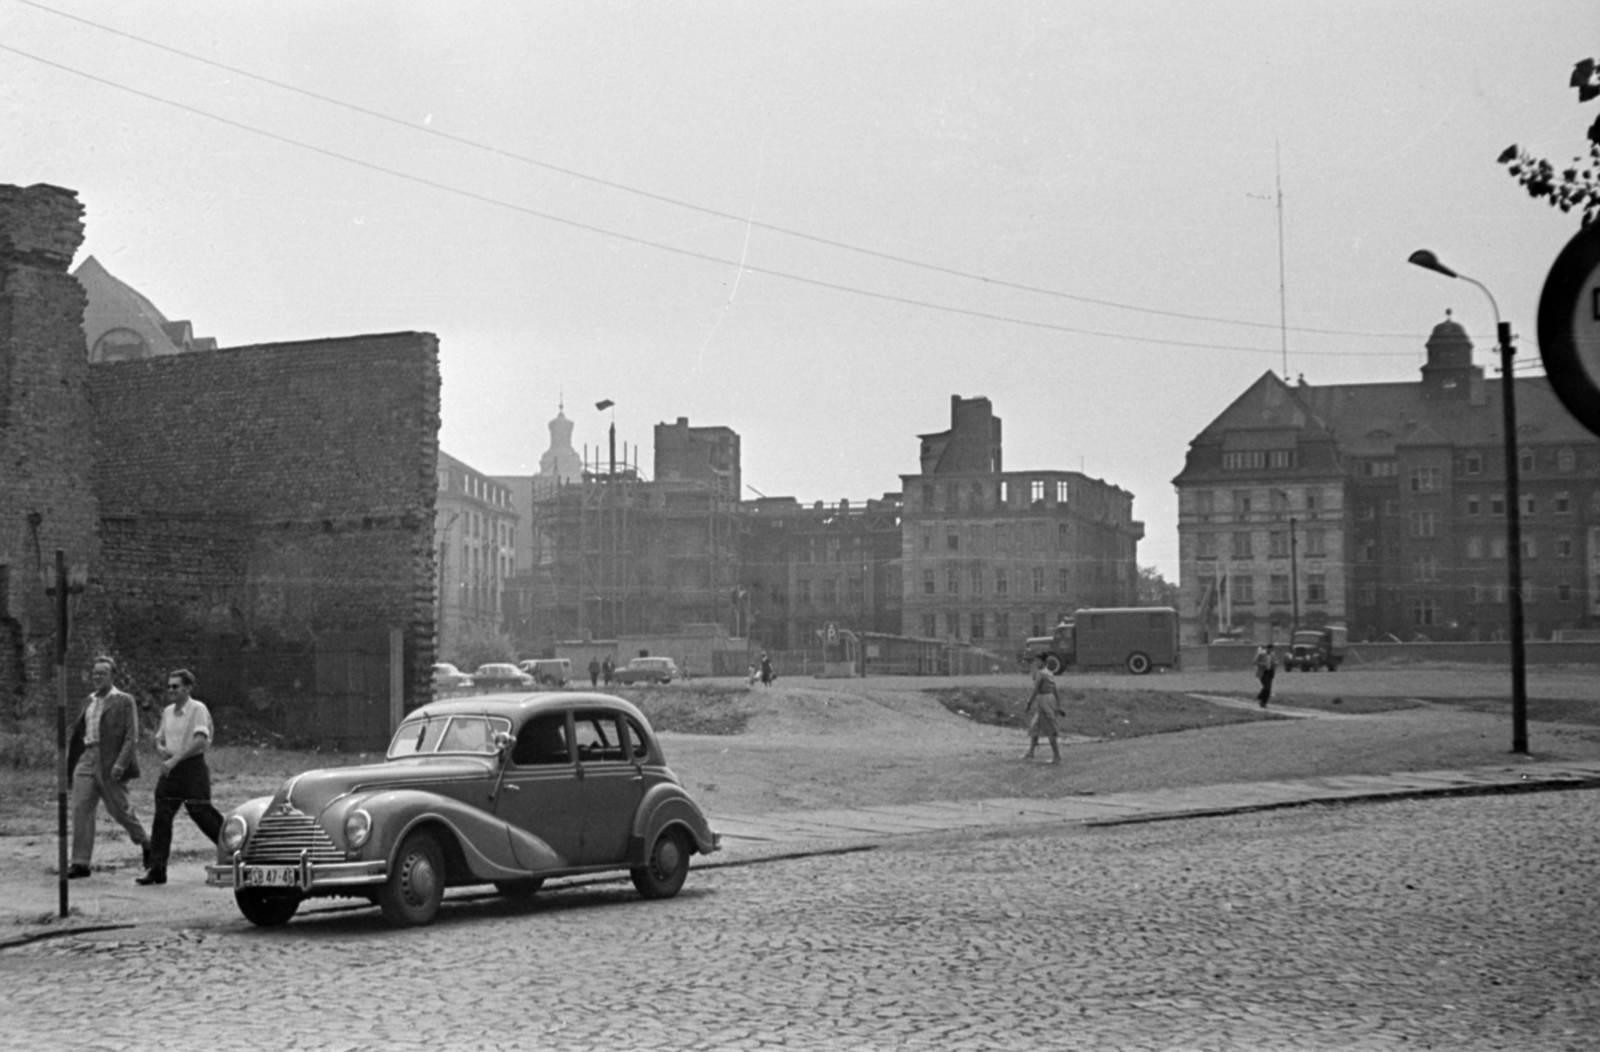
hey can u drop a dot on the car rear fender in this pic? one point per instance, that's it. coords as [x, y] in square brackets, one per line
[479, 843]
[666, 805]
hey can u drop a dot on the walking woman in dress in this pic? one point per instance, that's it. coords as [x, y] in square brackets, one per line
[1045, 705]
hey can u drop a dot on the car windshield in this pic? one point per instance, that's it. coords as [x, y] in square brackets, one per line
[427, 735]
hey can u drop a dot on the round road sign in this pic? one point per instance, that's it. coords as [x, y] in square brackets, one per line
[1569, 327]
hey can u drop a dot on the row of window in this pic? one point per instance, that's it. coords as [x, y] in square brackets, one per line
[1006, 492]
[1423, 479]
[1240, 589]
[827, 592]
[998, 537]
[1311, 543]
[979, 581]
[1246, 502]
[477, 488]
[978, 626]
[1258, 459]
[1426, 610]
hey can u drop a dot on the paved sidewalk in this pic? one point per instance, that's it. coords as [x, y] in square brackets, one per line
[110, 899]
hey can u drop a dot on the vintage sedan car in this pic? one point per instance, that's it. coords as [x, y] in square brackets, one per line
[494, 789]
[647, 670]
[447, 677]
[501, 676]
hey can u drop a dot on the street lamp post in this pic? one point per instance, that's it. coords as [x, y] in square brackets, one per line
[1519, 658]
[1294, 585]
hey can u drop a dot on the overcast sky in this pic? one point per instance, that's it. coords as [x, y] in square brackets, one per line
[815, 222]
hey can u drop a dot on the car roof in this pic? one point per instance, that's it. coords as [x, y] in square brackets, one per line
[520, 705]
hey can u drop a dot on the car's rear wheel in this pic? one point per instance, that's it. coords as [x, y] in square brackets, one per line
[267, 909]
[663, 873]
[1138, 662]
[1053, 663]
[415, 887]
[521, 890]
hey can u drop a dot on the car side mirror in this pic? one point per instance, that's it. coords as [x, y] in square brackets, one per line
[503, 742]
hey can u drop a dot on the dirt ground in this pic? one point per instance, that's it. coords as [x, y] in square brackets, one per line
[808, 744]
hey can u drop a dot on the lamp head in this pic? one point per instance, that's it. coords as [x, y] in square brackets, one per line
[1428, 261]
[604, 404]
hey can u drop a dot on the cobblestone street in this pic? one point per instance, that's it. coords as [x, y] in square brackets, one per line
[1445, 923]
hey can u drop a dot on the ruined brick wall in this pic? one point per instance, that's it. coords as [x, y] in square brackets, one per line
[255, 499]
[46, 501]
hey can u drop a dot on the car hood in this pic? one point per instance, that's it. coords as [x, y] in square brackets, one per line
[312, 791]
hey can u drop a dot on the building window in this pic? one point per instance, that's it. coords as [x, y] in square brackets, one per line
[1424, 480]
[1063, 537]
[1062, 490]
[1391, 506]
[1002, 585]
[1063, 580]
[1367, 511]
[1472, 464]
[1311, 500]
[1241, 502]
[1280, 458]
[1563, 503]
[1474, 504]
[927, 496]
[1564, 547]
[1038, 580]
[1036, 491]
[952, 542]
[1278, 544]
[952, 582]
[858, 591]
[802, 593]
[1278, 588]
[1002, 626]
[1243, 589]
[1474, 547]
[930, 626]
[1530, 547]
[927, 582]
[1316, 588]
[1038, 628]
[1564, 593]
[830, 591]
[1526, 461]
[1368, 552]
[1424, 612]
[1530, 504]
[1425, 568]
[1204, 502]
[1367, 594]
[1497, 547]
[1279, 500]
[976, 631]
[1566, 460]
[1529, 593]
[1497, 505]
[1316, 544]
[1380, 469]
[976, 495]
[977, 580]
[1247, 461]
[1241, 545]
[1205, 546]
[1424, 524]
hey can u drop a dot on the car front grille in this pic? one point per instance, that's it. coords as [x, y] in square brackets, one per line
[282, 836]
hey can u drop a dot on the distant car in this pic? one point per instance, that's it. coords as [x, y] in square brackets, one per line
[553, 672]
[500, 676]
[447, 677]
[492, 789]
[647, 670]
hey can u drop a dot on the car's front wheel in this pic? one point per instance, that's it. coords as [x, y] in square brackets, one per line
[1138, 663]
[267, 909]
[665, 870]
[415, 887]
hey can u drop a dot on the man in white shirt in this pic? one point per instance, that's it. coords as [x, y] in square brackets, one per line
[185, 781]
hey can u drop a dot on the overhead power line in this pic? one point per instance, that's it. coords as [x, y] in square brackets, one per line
[702, 209]
[653, 244]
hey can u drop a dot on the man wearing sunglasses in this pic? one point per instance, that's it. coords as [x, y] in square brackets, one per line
[185, 782]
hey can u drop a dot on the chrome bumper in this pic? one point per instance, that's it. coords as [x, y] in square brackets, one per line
[307, 876]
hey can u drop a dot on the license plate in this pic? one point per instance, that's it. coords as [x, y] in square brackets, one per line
[270, 876]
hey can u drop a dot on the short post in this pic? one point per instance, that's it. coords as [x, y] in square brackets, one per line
[62, 773]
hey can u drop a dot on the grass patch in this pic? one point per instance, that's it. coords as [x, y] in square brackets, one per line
[1098, 713]
[1540, 710]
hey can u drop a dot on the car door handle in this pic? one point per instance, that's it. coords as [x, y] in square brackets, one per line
[513, 787]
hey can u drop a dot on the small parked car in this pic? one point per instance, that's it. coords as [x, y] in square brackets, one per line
[493, 789]
[447, 677]
[501, 676]
[647, 670]
[551, 672]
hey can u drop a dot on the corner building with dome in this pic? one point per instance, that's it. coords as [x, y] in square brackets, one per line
[1381, 507]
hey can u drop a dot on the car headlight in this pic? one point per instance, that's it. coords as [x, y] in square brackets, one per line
[357, 828]
[233, 833]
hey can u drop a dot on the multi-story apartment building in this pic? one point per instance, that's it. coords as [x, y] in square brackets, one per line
[991, 556]
[1382, 507]
[475, 534]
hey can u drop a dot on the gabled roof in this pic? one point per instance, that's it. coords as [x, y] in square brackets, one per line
[1269, 404]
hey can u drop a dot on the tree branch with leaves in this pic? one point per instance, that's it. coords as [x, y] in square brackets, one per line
[1578, 185]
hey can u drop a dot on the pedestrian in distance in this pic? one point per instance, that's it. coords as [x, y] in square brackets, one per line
[102, 758]
[1266, 669]
[607, 670]
[1044, 705]
[185, 782]
[767, 675]
[594, 672]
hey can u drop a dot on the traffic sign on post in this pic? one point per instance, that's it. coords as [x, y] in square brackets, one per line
[1569, 327]
[833, 633]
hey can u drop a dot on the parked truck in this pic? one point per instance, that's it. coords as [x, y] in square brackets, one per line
[1136, 638]
[1311, 649]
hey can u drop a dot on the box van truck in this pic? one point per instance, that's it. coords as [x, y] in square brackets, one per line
[1136, 638]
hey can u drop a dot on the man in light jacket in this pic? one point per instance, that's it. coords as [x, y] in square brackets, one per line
[102, 759]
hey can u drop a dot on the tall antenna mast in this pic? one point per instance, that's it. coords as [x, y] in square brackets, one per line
[1283, 310]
